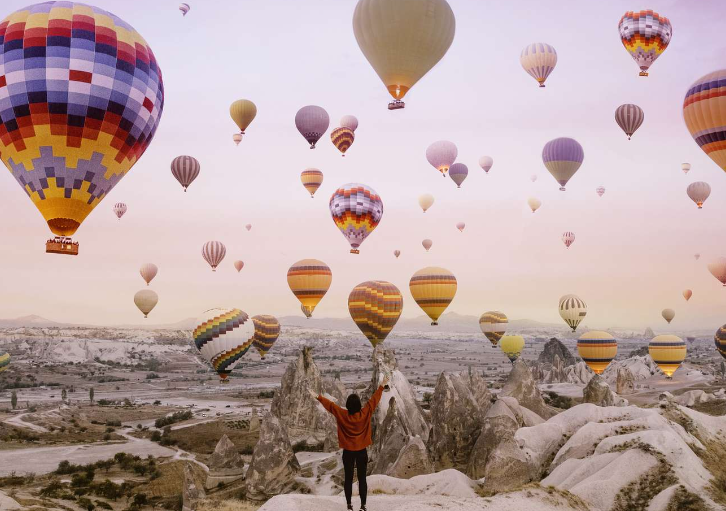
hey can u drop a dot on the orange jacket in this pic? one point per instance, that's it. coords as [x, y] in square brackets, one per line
[354, 431]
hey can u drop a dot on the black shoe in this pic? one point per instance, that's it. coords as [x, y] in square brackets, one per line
[350, 507]
[363, 508]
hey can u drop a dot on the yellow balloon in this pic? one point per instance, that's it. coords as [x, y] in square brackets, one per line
[433, 289]
[597, 349]
[512, 346]
[309, 280]
[668, 352]
[243, 112]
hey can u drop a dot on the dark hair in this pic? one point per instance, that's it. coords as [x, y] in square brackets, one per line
[353, 404]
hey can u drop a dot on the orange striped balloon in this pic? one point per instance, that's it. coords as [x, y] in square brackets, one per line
[311, 180]
[342, 138]
[375, 306]
[597, 349]
[704, 110]
[433, 289]
[309, 280]
[267, 330]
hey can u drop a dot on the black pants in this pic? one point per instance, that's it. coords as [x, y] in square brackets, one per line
[357, 459]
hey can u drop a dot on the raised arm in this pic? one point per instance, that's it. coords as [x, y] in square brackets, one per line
[375, 399]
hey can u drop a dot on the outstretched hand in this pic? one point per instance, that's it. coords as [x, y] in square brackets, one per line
[312, 393]
[385, 381]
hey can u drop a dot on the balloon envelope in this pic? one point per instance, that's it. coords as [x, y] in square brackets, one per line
[685, 167]
[349, 121]
[267, 330]
[243, 112]
[238, 265]
[442, 155]
[572, 310]
[562, 157]
[539, 60]
[717, 267]
[427, 244]
[356, 210]
[486, 163]
[185, 169]
[375, 307]
[493, 325]
[645, 35]
[687, 294]
[699, 192]
[534, 203]
[668, 352]
[184, 8]
[311, 180]
[312, 122]
[460, 226]
[342, 139]
[720, 341]
[213, 252]
[668, 315]
[146, 300]
[396, 253]
[512, 346]
[433, 289]
[119, 209]
[148, 271]
[597, 349]
[600, 190]
[458, 173]
[309, 280]
[568, 238]
[222, 337]
[629, 117]
[425, 201]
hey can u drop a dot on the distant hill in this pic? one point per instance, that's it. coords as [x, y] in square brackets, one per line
[29, 321]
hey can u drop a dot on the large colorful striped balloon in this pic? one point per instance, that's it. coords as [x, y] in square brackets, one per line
[356, 210]
[119, 209]
[433, 289]
[311, 180]
[668, 352]
[185, 169]
[309, 280]
[458, 172]
[539, 60]
[442, 155]
[148, 271]
[4, 361]
[81, 96]
[629, 117]
[342, 139]
[493, 325]
[645, 35]
[146, 300]
[704, 110]
[572, 310]
[267, 330]
[720, 340]
[562, 157]
[213, 252]
[222, 337]
[312, 122]
[597, 349]
[512, 346]
[375, 306]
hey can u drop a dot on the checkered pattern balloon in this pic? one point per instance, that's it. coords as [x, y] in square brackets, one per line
[356, 210]
[81, 96]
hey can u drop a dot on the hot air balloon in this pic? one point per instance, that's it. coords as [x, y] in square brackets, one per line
[311, 180]
[442, 155]
[184, 8]
[720, 340]
[717, 268]
[668, 315]
[433, 289]
[703, 109]
[342, 139]
[222, 337]
[397, 253]
[512, 346]
[243, 112]
[427, 244]
[4, 361]
[629, 117]
[425, 201]
[213, 252]
[685, 167]
[533, 177]
[312, 122]
[645, 35]
[458, 173]
[573, 310]
[267, 330]
[119, 209]
[697, 256]
[148, 271]
[493, 325]
[568, 238]
[460, 226]
[146, 300]
[562, 157]
[600, 190]
[486, 162]
[375, 307]
[668, 352]
[81, 96]
[350, 122]
[699, 192]
[597, 349]
[687, 294]
[356, 210]
[238, 265]
[248, 227]
[185, 169]
[236, 138]
[534, 204]
[402, 40]
[309, 280]
[539, 60]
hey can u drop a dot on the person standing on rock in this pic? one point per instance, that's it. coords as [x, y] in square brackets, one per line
[354, 435]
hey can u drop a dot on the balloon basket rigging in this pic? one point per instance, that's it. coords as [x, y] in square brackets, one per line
[63, 245]
[396, 105]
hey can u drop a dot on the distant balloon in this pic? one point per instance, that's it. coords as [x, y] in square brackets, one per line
[397, 253]
[597, 349]
[184, 8]
[512, 346]
[309, 280]
[717, 268]
[645, 35]
[719, 339]
[342, 139]
[146, 300]
[572, 310]
[425, 201]
[427, 244]
[433, 289]
[248, 227]
[697, 256]
[213, 252]
[148, 271]
[699, 192]
[350, 122]
[600, 190]
[185, 169]
[493, 325]
[668, 315]
[687, 294]
[568, 238]
[629, 117]
[375, 307]
[486, 163]
[311, 180]
[562, 157]
[243, 112]
[403, 40]
[356, 210]
[267, 330]
[668, 352]
[238, 265]
[312, 122]
[534, 203]
[442, 155]
[685, 167]
[4, 361]
[460, 226]
[236, 138]
[533, 177]
[222, 337]
[539, 60]
[458, 173]
[119, 209]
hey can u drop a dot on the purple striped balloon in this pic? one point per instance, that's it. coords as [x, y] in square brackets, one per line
[629, 117]
[562, 157]
[185, 169]
[458, 172]
[213, 252]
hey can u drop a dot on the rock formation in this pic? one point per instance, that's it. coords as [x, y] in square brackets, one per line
[598, 392]
[254, 420]
[225, 459]
[625, 381]
[522, 386]
[274, 466]
[191, 493]
[554, 348]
